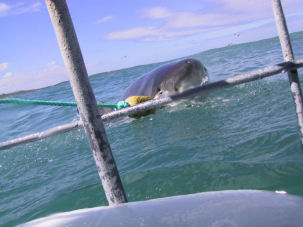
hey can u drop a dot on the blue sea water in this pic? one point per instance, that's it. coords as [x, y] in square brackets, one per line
[245, 137]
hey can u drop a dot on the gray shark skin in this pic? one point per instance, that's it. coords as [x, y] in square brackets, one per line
[172, 78]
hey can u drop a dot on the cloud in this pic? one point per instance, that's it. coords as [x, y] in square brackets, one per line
[255, 9]
[51, 74]
[245, 8]
[3, 66]
[176, 24]
[7, 75]
[19, 8]
[104, 19]
[4, 7]
[156, 12]
[176, 20]
[133, 33]
[225, 13]
[149, 34]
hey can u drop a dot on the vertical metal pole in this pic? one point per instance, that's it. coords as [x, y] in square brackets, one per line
[86, 101]
[289, 56]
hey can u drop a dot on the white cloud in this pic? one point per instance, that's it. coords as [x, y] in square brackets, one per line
[104, 19]
[245, 7]
[133, 33]
[177, 20]
[176, 24]
[51, 74]
[19, 8]
[188, 20]
[156, 12]
[167, 35]
[3, 66]
[7, 75]
[4, 7]
[227, 13]
[35, 7]
[255, 9]
[151, 33]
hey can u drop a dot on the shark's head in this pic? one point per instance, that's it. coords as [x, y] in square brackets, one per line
[183, 74]
[168, 79]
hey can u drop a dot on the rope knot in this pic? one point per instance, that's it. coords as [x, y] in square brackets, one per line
[122, 104]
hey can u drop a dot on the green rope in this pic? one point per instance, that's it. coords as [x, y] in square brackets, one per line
[118, 106]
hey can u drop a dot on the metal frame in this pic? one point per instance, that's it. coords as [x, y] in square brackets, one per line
[93, 122]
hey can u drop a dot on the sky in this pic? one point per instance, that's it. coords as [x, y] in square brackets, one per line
[118, 34]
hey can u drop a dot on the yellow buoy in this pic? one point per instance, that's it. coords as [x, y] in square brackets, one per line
[134, 100]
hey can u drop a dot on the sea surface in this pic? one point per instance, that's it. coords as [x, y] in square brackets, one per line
[245, 137]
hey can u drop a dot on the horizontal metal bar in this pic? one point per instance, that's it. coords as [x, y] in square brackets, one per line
[41, 135]
[229, 82]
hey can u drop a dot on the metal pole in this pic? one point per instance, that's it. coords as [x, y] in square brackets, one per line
[289, 56]
[86, 101]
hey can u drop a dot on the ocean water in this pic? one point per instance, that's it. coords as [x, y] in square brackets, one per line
[245, 137]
